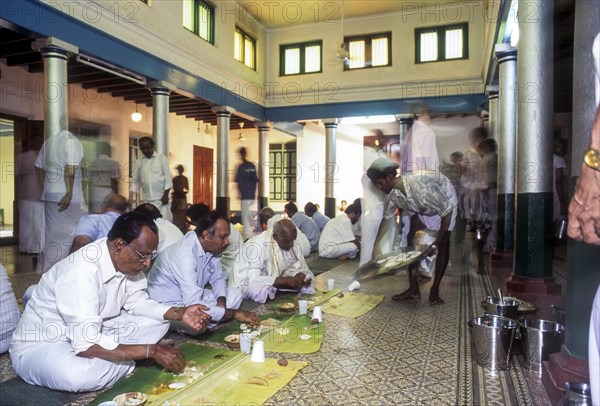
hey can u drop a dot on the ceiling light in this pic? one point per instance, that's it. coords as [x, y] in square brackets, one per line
[136, 117]
[241, 136]
[198, 129]
[389, 118]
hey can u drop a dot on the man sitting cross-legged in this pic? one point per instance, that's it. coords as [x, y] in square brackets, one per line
[272, 261]
[181, 273]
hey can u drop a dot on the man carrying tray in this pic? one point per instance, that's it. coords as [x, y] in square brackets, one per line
[431, 201]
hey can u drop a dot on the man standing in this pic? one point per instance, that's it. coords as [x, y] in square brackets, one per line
[271, 261]
[337, 239]
[246, 177]
[29, 195]
[151, 174]
[420, 149]
[180, 275]
[58, 165]
[179, 201]
[431, 196]
[304, 224]
[99, 314]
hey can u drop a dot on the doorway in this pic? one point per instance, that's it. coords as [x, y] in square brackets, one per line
[204, 171]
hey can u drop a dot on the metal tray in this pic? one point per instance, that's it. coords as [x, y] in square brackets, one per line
[390, 263]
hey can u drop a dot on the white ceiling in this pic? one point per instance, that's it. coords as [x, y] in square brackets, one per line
[277, 14]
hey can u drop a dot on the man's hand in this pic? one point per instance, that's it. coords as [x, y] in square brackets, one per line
[246, 317]
[195, 318]
[64, 203]
[164, 200]
[222, 302]
[169, 357]
[356, 242]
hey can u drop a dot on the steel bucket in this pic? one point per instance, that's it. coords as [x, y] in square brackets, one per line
[493, 337]
[540, 338]
[577, 394]
[507, 308]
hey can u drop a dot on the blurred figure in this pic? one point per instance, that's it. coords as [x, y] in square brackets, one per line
[92, 227]
[472, 181]
[29, 195]
[58, 164]
[453, 171]
[246, 177]
[103, 175]
[419, 150]
[311, 210]
[179, 200]
[489, 163]
[343, 205]
[151, 174]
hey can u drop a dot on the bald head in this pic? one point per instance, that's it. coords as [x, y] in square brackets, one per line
[284, 233]
[115, 202]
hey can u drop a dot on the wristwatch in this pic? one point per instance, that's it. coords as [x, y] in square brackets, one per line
[592, 158]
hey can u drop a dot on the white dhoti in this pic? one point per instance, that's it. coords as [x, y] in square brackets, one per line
[31, 226]
[56, 366]
[59, 232]
[594, 349]
[97, 195]
[333, 250]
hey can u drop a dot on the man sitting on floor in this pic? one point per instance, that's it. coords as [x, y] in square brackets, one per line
[310, 209]
[90, 319]
[168, 232]
[271, 261]
[268, 218]
[431, 201]
[181, 273]
[92, 227]
[337, 239]
[304, 224]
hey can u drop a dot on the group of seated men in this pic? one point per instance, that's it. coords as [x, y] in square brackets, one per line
[95, 313]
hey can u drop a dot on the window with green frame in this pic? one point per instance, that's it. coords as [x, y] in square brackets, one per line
[244, 48]
[199, 17]
[367, 51]
[282, 171]
[442, 43]
[297, 59]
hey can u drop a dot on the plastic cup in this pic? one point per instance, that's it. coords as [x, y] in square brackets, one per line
[317, 313]
[330, 284]
[303, 306]
[246, 342]
[354, 285]
[258, 351]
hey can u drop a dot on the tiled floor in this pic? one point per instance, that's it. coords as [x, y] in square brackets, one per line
[404, 353]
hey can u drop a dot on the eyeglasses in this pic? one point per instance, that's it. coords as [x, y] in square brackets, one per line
[144, 257]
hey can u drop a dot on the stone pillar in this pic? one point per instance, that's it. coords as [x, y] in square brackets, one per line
[507, 136]
[492, 94]
[404, 124]
[532, 266]
[330, 165]
[160, 115]
[582, 278]
[55, 54]
[223, 115]
[263, 164]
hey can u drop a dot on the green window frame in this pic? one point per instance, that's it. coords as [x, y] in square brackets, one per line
[199, 18]
[301, 58]
[244, 48]
[368, 51]
[282, 171]
[442, 43]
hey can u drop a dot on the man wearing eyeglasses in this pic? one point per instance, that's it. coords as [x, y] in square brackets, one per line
[180, 275]
[90, 318]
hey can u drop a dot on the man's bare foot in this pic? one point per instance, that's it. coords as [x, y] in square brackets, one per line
[435, 300]
[407, 295]
[423, 278]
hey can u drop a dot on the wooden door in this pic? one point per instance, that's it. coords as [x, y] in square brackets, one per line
[204, 171]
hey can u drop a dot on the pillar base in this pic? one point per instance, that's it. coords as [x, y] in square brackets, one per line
[560, 368]
[223, 205]
[330, 209]
[537, 290]
[502, 258]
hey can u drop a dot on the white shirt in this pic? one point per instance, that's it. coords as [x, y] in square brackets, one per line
[180, 275]
[301, 238]
[232, 252]
[96, 226]
[78, 294]
[262, 261]
[168, 234]
[152, 175]
[338, 230]
[102, 170]
[58, 151]
[29, 188]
